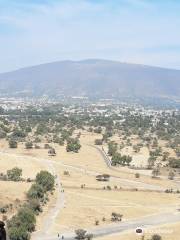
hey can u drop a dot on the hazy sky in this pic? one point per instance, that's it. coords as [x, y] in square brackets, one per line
[137, 31]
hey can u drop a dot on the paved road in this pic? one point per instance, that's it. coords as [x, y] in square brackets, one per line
[104, 156]
[145, 222]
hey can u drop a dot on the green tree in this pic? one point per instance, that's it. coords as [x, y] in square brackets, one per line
[18, 233]
[36, 192]
[46, 180]
[27, 218]
[122, 160]
[112, 148]
[73, 145]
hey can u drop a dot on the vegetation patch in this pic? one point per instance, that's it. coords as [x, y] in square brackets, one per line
[23, 223]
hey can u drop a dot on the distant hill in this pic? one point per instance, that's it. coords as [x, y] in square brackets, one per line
[94, 78]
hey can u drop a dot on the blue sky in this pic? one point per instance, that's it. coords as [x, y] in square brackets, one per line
[137, 31]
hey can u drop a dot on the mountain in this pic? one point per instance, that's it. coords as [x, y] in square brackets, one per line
[94, 78]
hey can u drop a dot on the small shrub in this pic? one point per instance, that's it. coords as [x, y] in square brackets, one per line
[12, 143]
[80, 234]
[14, 174]
[28, 145]
[137, 175]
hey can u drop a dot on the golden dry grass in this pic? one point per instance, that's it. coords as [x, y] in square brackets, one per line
[84, 206]
[12, 193]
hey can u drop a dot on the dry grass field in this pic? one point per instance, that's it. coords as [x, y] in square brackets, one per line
[13, 193]
[88, 158]
[84, 206]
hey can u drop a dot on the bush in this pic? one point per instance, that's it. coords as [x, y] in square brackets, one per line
[35, 205]
[137, 175]
[36, 192]
[23, 223]
[28, 145]
[98, 130]
[47, 146]
[2, 134]
[66, 173]
[98, 142]
[12, 143]
[14, 174]
[3, 210]
[80, 234]
[116, 217]
[156, 237]
[174, 163]
[46, 180]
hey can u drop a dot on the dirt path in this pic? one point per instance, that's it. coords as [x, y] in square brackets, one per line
[54, 212]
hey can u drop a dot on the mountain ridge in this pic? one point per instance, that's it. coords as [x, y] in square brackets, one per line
[93, 77]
